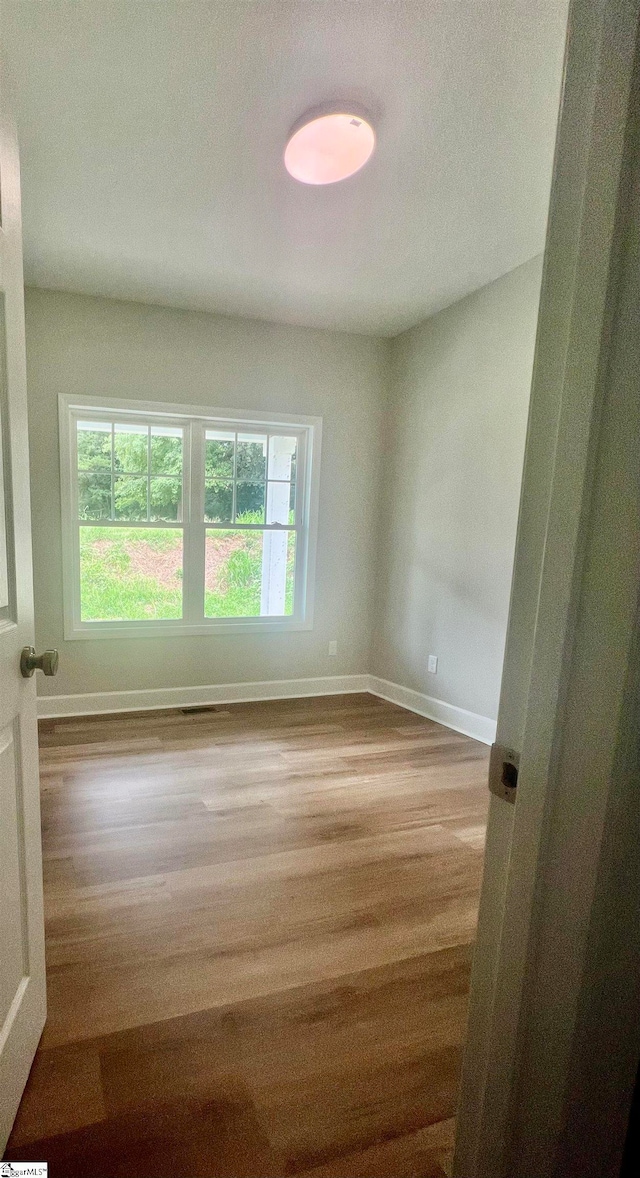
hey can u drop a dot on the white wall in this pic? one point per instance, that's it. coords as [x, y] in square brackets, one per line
[77, 344]
[454, 445]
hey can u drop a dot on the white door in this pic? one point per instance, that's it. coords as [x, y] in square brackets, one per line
[502, 1114]
[22, 975]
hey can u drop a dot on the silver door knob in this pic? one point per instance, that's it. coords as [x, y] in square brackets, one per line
[47, 662]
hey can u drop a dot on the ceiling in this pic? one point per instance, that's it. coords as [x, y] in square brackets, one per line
[152, 135]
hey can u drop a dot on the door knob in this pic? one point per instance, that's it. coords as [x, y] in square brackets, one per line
[47, 662]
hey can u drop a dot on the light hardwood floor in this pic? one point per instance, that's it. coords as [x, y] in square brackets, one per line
[259, 930]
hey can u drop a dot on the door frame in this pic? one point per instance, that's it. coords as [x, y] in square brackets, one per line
[547, 857]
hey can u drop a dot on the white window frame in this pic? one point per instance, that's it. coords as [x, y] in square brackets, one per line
[194, 420]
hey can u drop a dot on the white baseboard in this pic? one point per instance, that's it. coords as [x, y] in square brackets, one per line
[103, 702]
[470, 723]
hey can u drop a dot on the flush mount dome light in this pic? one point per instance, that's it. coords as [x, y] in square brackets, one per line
[324, 148]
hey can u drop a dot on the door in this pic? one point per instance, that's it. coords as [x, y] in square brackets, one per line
[22, 976]
[543, 855]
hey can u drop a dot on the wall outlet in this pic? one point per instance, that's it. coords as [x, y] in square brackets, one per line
[433, 664]
[333, 647]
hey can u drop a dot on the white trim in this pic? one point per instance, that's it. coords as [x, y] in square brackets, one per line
[178, 629]
[175, 410]
[192, 419]
[104, 702]
[481, 728]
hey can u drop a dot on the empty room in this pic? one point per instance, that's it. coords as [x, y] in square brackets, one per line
[282, 272]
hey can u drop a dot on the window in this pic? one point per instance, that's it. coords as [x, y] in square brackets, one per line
[183, 520]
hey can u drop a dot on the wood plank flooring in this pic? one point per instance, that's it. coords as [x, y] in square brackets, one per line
[259, 927]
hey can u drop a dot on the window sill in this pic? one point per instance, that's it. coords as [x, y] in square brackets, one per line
[170, 629]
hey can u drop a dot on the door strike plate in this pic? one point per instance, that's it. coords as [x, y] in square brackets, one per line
[503, 772]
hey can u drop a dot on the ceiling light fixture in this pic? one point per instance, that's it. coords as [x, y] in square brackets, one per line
[326, 147]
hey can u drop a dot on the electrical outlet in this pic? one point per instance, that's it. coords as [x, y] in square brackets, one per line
[333, 647]
[433, 664]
